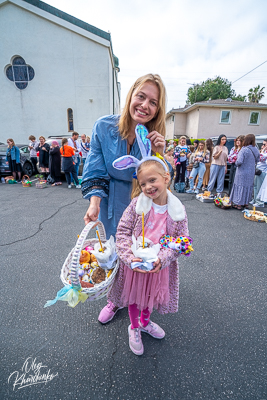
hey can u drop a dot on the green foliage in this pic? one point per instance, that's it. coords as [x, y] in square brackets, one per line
[218, 88]
[256, 94]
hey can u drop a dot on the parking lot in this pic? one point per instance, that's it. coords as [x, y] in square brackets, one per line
[215, 346]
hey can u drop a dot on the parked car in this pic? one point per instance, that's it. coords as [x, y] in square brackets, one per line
[27, 167]
[229, 144]
[259, 140]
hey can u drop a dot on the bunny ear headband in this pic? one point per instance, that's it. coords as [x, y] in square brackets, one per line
[144, 143]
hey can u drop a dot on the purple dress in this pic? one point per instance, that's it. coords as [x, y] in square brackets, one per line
[242, 190]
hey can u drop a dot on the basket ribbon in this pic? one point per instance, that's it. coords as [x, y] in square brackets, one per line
[69, 294]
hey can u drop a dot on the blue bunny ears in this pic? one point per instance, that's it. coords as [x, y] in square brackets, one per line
[144, 143]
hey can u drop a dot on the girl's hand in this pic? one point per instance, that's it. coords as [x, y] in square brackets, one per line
[157, 142]
[93, 210]
[157, 267]
[138, 269]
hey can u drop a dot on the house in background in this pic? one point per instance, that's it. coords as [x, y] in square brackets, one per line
[58, 73]
[215, 117]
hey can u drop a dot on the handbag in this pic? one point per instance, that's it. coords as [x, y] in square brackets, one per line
[258, 171]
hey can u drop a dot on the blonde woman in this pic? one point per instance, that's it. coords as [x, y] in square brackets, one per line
[108, 189]
[200, 158]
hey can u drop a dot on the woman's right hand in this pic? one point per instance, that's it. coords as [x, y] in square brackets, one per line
[93, 210]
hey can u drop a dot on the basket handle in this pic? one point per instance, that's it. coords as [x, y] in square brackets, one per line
[26, 176]
[75, 262]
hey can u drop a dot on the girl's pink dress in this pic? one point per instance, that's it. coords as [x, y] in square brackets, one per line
[148, 290]
[159, 290]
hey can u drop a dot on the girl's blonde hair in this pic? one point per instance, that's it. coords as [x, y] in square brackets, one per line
[158, 122]
[205, 147]
[182, 137]
[136, 188]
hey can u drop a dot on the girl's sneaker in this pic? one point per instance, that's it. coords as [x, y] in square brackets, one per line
[107, 313]
[153, 329]
[135, 341]
[197, 191]
[190, 191]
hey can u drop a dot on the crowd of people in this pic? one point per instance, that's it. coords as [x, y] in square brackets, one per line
[199, 167]
[52, 158]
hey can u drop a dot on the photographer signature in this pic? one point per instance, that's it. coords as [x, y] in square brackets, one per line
[31, 374]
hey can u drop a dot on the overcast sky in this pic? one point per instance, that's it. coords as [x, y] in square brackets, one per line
[184, 41]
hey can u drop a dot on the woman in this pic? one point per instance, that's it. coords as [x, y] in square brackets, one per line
[206, 177]
[200, 158]
[242, 189]
[13, 159]
[43, 149]
[32, 147]
[68, 164]
[181, 154]
[218, 166]
[232, 159]
[108, 189]
[55, 163]
[169, 155]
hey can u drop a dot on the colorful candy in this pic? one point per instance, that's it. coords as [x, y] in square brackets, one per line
[182, 244]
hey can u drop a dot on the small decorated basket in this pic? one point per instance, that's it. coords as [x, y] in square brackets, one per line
[256, 216]
[26, 181]
[222, 201]
[10, 179]
[71, 264]
[41, 184]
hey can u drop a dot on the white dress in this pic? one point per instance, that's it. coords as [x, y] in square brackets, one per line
[262, 195]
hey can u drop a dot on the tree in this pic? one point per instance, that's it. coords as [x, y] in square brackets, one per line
[256, 94]
[218, 88]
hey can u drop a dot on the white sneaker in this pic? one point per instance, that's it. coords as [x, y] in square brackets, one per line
[69, 186]
[197, 191]
[78, 187]
[258, 204]
[252, 202]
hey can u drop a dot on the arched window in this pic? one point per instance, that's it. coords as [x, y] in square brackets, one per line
[70, 120]
[19, 72]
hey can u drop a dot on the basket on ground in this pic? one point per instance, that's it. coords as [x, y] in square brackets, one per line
[256, 216]
[41, 184]
[26, 181]
[222, 201]
[71, 264]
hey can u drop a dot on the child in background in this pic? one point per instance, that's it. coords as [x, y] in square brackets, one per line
[67, 163]
[200, 158]
[159, 288]
[181, 154]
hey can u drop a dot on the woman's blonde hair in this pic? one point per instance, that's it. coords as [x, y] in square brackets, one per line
[158, 122]
[136, 188]
[205, 147]
[42, 137]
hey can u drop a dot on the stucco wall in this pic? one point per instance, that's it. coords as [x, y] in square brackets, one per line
[70, 69]
[180, 124]
[192, 124]
[169, 127]
[209, 123]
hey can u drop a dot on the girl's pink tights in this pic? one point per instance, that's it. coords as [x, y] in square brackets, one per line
[134, 314]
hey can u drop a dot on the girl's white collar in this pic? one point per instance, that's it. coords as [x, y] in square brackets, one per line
[175, 207]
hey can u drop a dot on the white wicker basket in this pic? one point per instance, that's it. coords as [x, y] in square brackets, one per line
[72, 263]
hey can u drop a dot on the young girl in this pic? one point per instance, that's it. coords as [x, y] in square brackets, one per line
[201, 157]
[159, 288]
[181, 153]
[67, 163]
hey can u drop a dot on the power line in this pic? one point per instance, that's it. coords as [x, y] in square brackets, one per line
[250, 71]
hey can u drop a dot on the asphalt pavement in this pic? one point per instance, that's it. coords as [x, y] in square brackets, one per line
[215, 346]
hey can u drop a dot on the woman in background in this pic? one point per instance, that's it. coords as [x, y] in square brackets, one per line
[13, 159]
[232, 159]
[218, 166]
[55, 163]
[32, 147]
[206, 177]
[43, 149]
[242, 190]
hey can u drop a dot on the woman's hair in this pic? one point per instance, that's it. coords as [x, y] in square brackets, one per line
[169, 148]
[136, 190]
[42, 137]
[249, 139]
[12, 141]
[219, 140]
[88, 137]
[196, 141]
[31, 137]
[191, 147]
[209, 146]
[182, 137]
[158, 122]
[204, 148]
[63, 141]
[188, 142]
[241, 138]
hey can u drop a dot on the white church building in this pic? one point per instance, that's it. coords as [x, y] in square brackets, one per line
[57, 73]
